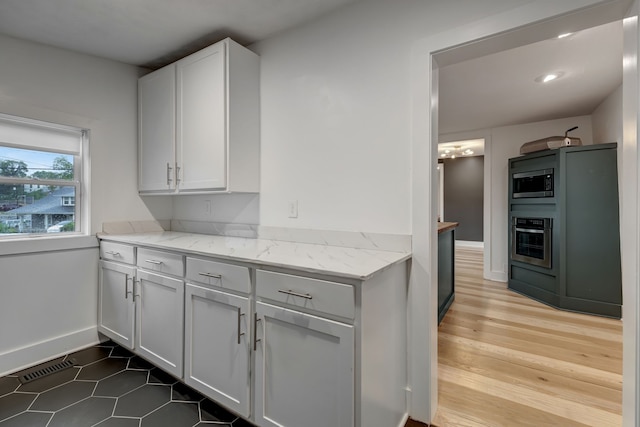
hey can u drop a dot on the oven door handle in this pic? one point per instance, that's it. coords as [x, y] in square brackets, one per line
[530, 230]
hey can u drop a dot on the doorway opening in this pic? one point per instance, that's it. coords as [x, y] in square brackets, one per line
[461, 189]
[438, 61]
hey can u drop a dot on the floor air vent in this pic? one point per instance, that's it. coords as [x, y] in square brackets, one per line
[49, 369]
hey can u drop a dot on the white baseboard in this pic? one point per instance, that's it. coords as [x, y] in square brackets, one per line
[404, 420]
[497, 276]
[25, 357]
[469, 244]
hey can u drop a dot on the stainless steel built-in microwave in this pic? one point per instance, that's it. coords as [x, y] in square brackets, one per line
[537, 183]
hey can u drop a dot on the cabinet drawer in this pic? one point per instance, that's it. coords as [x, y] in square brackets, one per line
[162, 262]
[213, 273]
[117, 252]
[311, 294]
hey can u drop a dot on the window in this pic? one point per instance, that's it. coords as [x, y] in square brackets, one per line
[68, 201]
[40, 177]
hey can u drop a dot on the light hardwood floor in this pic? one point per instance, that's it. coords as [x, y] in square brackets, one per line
[507, 360]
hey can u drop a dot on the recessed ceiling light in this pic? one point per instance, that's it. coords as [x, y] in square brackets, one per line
[561, 36]
[546, 78]
[447, 151]
[443, 155]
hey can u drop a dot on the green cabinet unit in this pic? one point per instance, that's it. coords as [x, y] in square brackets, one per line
[585, 273]
[446, 266]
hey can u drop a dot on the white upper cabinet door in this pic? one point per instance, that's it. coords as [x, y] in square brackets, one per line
[157, 131]
[201, 120]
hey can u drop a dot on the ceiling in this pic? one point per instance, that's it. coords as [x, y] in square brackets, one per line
[495, 89]
[153, 33]
[499, 89]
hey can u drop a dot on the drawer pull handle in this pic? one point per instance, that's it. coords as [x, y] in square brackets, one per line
[239, 325]
[214, 276]
[295, 294]
[255, 331]
[153, 261]
[112, 253]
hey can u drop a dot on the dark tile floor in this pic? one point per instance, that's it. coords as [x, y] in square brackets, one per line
[107, 387]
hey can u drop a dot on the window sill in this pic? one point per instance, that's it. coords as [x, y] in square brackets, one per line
[27, 245]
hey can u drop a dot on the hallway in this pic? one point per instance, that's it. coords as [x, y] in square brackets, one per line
[507, 360]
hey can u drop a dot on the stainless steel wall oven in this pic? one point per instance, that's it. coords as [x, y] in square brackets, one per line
[531, 241]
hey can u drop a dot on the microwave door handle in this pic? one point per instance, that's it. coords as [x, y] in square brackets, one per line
[529, 230]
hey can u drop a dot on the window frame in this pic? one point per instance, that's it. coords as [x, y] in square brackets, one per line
[79, 181]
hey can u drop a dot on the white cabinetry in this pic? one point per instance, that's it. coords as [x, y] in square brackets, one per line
[217, 335]
[143, 308]
[116, 317]
[157, 130]
[199, 123]
[160, 309]
[277, 347]
[116, 310]
[304, 370]
[329, 353]
[304, 360]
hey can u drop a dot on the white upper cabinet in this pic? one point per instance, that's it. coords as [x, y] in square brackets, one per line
[156, 130]
[199, 123]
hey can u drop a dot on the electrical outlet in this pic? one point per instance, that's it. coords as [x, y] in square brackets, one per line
[207, 207]
[293, 209]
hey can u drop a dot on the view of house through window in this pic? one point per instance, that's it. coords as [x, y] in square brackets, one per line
[39, 177]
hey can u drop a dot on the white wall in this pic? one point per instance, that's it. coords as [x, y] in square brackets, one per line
[345, 130]
[336, 114]
[48, 301]
[48, 305]
[607, 119]
[237, 208]
[56, 85]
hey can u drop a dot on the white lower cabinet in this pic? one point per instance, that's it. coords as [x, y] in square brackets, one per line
[116, 311]
[304, 369]
[280, 349]
[142, 308]
[159, 319]
[217, 337]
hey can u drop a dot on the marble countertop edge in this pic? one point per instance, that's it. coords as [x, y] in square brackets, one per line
[326, 260]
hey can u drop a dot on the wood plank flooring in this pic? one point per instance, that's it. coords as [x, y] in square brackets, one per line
[507, 360]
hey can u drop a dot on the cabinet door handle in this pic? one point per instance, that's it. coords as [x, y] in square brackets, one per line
[255, 331]
[134, 289]
[295, 294]
[239, 325]
[177, 174]
[126, 287]
[213, 276]
[153, 261]
[112, 253]
[169, 173]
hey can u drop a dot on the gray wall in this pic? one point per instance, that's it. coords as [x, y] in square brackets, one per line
[463, 196]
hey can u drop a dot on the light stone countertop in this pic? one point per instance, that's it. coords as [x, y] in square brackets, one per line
[344, 262]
